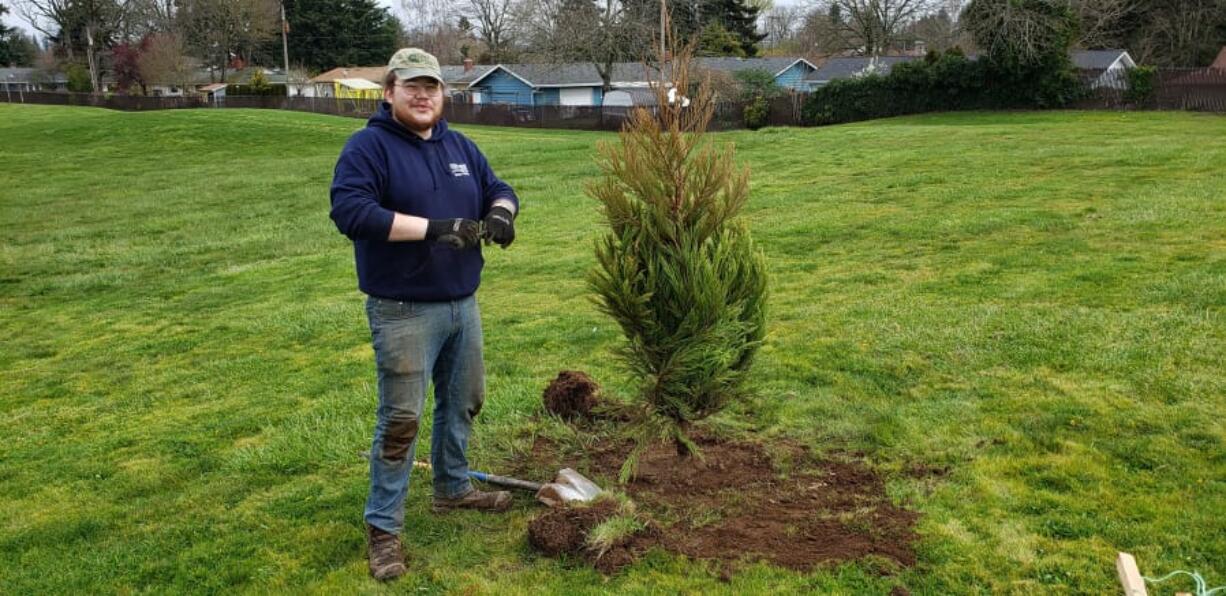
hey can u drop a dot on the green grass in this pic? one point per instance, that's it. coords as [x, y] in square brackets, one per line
[1034, 300]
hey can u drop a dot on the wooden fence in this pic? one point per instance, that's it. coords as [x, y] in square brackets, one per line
[1192, 89]
[1199, 89]
[784, 111]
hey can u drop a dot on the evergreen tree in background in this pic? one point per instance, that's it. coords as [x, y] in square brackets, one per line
[704, 22]
[6, 54]
[16, 49]
[325, 34]
[718, 41]
[738, 18]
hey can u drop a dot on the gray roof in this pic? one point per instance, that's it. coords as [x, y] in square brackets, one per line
[1095, 59]
[575, 73]
[585, 73]
[730, 64]
[848, 66]
[30, 75]
[456, 75]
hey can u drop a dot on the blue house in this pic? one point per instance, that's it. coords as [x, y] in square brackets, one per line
[579, 84]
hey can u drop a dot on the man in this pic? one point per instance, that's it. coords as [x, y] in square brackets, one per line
[410, 193]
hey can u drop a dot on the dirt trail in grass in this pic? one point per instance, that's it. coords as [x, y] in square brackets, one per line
[732, 507]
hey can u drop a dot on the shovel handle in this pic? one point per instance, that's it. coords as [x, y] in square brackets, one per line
[491, 478]
[505, 481]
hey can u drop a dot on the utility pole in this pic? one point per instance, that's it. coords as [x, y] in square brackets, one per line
[285, 46]
[663, 19]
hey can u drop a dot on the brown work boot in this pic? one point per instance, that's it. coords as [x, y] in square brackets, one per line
[474, 499]
[384, 554]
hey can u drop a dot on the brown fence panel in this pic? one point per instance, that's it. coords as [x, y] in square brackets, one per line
[1193, 89]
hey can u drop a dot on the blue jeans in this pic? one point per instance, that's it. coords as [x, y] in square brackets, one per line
[416, 342]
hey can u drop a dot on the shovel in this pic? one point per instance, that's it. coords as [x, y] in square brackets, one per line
[568, 486]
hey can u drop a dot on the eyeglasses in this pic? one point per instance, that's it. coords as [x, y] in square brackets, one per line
[426, 89]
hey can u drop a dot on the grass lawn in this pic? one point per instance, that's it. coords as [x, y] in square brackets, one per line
[1036, 302]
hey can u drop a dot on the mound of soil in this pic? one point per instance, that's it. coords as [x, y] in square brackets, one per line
[563, 531]
[572, 395]
[732, 507]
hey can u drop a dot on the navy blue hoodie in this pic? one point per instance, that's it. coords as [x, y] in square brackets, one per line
[384, 168]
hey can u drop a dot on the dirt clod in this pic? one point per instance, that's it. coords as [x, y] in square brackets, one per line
[564, 530]
[572, 395]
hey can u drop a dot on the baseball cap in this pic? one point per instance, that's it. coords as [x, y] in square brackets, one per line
[410, 63]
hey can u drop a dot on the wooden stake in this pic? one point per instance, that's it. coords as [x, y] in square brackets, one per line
[1130, 576]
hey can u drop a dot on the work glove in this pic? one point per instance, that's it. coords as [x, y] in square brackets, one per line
[457, 233]
[499, 226]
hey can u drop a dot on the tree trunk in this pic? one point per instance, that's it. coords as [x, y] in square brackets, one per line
[683, 430]
[92, 58]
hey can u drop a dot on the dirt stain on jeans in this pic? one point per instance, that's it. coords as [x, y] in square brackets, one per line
[401, 431]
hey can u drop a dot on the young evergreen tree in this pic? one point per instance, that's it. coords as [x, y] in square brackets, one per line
[677, 269]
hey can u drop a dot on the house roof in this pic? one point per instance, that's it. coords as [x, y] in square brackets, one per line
[370, 73]
[774, 65]
[844, 67]
[455, 75]
[1220, 61]
[636, 96]
[212, 87]
[584, 74]
[30, 75]
[361, 84]
[572, 74]
[1095, 59]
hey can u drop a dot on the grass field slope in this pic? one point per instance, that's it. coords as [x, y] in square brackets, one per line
[1019, 320]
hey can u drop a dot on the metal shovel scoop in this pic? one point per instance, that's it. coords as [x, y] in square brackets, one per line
[568, 486]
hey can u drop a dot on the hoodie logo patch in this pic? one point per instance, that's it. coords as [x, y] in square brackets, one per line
[458, 169]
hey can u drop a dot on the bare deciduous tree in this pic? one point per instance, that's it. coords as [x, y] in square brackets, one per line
[1179, 32]
[435, 26]
[1102, 21]
[872, 27]
[164, 61]
[600, 33]
[220, 29]
[494, 22]
[781, 24]
[1024, 32]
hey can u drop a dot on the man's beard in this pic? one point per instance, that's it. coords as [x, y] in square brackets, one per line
[407, 119]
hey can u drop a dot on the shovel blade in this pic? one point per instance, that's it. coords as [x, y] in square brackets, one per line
[569, 487]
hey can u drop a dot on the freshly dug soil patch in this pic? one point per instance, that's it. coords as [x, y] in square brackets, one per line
[733, 507]
[572, 395]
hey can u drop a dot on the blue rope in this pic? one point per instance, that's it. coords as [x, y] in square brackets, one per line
[1201, 586]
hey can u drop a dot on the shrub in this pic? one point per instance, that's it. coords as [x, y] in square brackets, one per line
[78, 79]
[757, 113]
[942, 82]
[259, 82]
[754, 82]
[269, 89]
[1140, 84]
